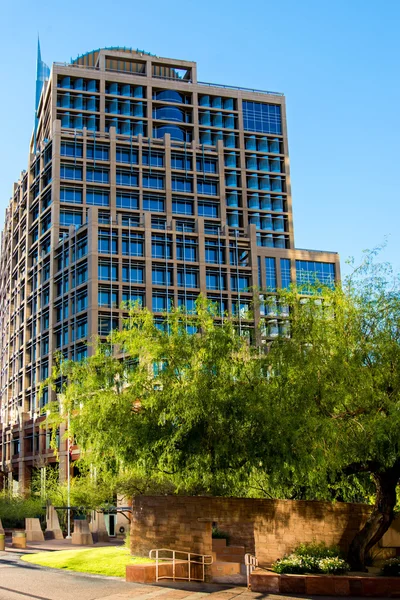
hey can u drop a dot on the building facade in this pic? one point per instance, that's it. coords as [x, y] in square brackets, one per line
[143, 184]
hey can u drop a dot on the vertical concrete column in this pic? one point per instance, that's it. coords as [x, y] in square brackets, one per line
[242, 161]
[147, 253]
[113, 188]
[93, 282]
[202, 256]
[168, 180]
[222, 190]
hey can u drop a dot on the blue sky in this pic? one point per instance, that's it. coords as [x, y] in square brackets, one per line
[337, 61]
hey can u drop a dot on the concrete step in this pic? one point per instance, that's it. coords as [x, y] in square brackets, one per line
[221, 569]
[231, 554]
[218, 544]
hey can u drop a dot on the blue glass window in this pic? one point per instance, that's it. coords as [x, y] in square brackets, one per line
[154, 203]
[159, 302]
[126, 155]
[177, 133]
[133, 273]
[71, 149]
[270, 269]
[188, 278]
[161, 247]
[153, 181]
[170, 113]
[206, 165]
[97, 197]
[264, 118]
[70, 218]
[285, 272]
[214, 252]
[219, 303]
[153, 159]
[241, 310]
[107, 324]
[182, 206]
[107, 243]
[170, 96]
[132, 244]
[45, 296]
[80, 275]
[127, 177]
[126, 200]
[80, 353]
[311, 272]
[107, 298]
[97, 175]
[186, 249]
[188, 302]
[72, 195]
[97, 152]
[215, 280]
[184, 226]
[210, 188]
[107, 272]
[207, 209]
[161, 276]
[70, 172]
[180, 161]
[240, 284]
[81, 302]
[133, 296]
[81, 330]
[179, 184]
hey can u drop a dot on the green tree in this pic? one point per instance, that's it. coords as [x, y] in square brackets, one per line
[180, 417]
[338, 375]
[313, 415]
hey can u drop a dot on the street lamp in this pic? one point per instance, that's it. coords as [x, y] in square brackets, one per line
[61, 401]
[68, 484]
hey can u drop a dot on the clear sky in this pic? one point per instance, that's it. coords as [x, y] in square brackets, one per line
[337, 61]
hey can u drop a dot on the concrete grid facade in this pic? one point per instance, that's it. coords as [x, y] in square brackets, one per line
[142, 184]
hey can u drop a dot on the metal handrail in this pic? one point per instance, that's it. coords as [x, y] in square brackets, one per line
[190, 558]
[251, 563]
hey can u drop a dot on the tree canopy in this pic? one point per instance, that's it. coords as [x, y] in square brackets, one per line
[313, 414]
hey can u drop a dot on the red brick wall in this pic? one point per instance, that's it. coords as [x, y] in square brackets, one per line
[268, 528]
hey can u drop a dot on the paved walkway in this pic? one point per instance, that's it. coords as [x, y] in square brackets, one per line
[20, 580]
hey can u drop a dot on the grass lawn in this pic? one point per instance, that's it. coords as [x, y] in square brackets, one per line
[98, 561]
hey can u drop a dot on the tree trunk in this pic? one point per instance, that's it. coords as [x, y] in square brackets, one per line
[380, 518]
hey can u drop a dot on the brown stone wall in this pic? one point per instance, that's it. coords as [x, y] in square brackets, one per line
[268, 528]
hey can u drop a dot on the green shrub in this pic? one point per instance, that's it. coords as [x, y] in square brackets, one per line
[391, 568]
[333, 565]
[317, 550]
[312, 558]
[217, 534]
[15, 509]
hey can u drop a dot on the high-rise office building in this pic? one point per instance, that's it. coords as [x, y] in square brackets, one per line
[142, 184]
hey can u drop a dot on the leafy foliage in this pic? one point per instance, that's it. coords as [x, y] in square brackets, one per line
[218, 534]
[315, 415]
[391, 568]
[317, 550]
[312, 558]
[15, 509]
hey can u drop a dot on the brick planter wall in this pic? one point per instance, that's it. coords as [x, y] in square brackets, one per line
[267, 528]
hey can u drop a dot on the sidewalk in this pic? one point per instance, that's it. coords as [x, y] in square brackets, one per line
[54, 545]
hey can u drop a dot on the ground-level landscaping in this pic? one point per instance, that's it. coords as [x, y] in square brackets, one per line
[111, 561]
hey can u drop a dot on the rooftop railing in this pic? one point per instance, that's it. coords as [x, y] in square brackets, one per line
[319, 251]
[235, 87]
[177, 79]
